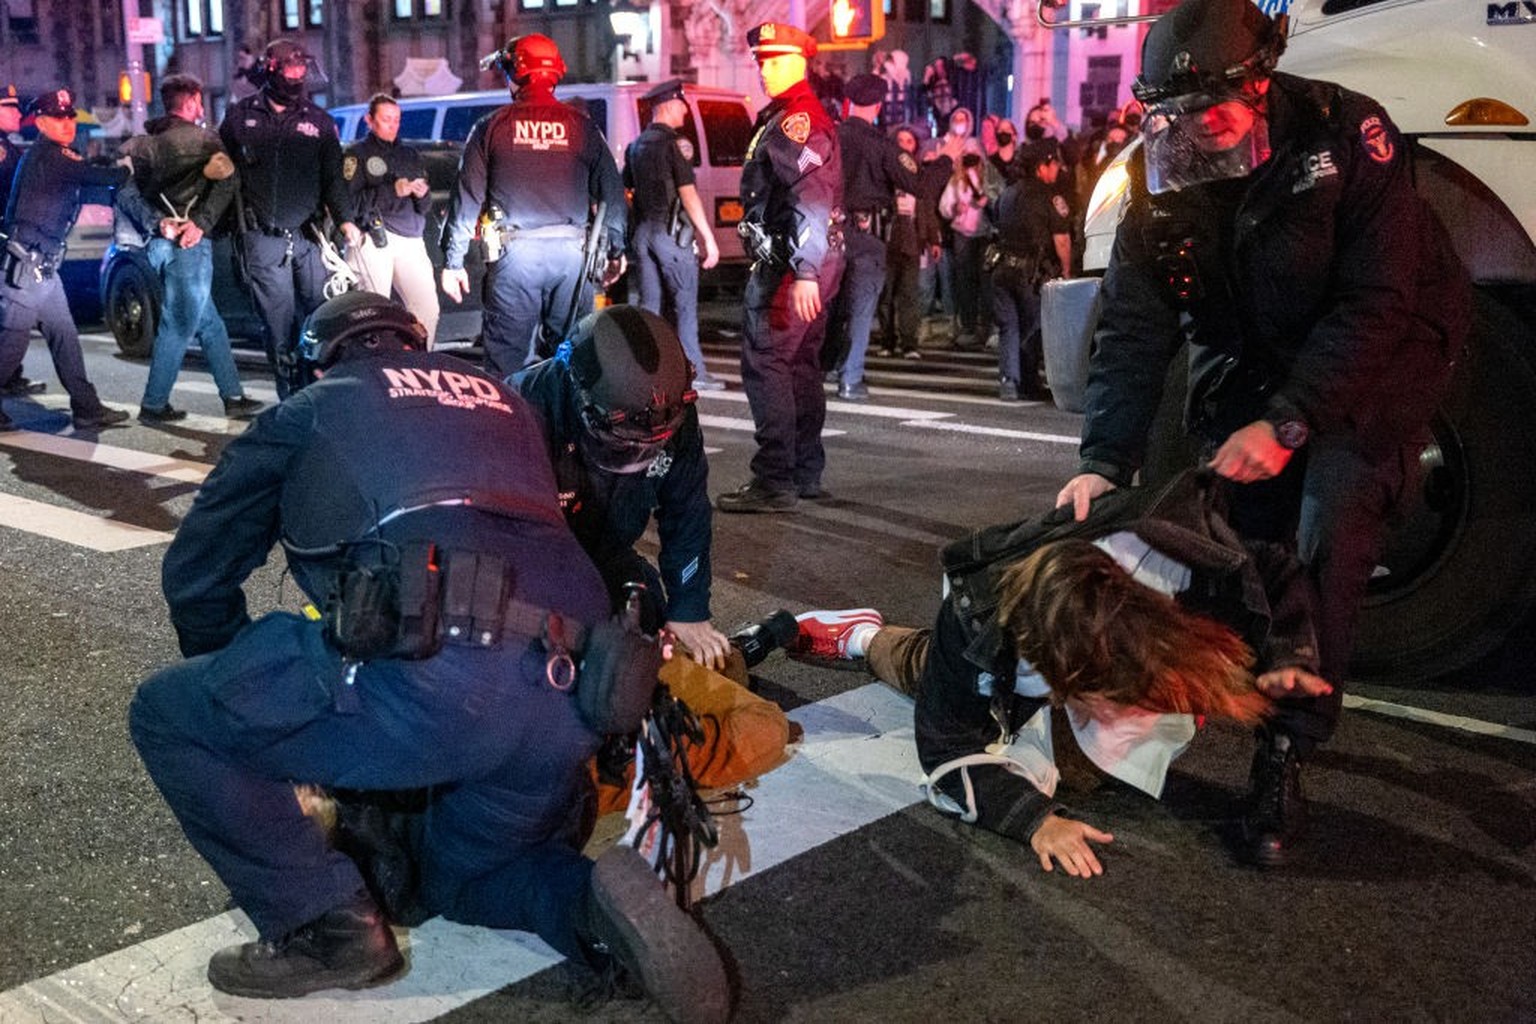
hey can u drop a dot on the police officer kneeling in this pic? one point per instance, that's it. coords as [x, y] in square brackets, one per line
[416, 505]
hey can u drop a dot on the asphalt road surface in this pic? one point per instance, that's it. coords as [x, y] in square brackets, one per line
[839, 896]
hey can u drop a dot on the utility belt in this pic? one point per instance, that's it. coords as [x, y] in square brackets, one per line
[255, 225]
[408, 601]
[1031, 265]
[769, 248]
[21, 266]
[570, 231]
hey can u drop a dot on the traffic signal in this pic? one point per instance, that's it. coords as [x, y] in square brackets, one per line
[125, 88]
[852, 24]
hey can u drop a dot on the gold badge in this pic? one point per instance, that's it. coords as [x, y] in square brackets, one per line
[768, 31]
[1060, 204]
[908, 164]
[349, 168]
[798, 127]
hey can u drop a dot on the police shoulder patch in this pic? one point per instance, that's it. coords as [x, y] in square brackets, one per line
[1059, 202]
[3, 154]
[1377, 140]
[797, 127]
[685, 147]
[908, 163]
[349, 167]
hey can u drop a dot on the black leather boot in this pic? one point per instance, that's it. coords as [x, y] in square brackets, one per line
[1276, 818]
[349, 946]
[632, 920]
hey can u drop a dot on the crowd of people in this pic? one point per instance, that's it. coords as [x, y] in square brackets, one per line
[483, 627]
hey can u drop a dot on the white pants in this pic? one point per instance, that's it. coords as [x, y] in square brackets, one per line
[404, 267]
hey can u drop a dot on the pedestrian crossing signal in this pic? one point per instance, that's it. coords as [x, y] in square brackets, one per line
[852, 24]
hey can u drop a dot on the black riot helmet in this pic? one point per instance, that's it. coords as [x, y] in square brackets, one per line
[633, 383]
[275, 72]
[356, 321]
[1205, 45]
[1204, 71]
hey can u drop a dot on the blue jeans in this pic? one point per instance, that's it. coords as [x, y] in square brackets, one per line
[186, 276]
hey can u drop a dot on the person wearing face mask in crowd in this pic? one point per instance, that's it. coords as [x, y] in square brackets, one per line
[1004, 158]
[964, 206]
[933, 260]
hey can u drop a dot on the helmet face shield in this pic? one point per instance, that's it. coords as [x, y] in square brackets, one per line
[1202, 137]
[621, 442]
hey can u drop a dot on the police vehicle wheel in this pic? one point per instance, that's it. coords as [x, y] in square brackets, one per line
[131, 306]
[1458, 570]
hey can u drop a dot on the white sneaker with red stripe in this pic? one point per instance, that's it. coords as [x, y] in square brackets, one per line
[837, 634]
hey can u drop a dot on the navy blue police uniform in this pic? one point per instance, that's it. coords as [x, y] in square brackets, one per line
[1030, 214]
[609, 511]
[370, 168]
[792, 194]
[543, 165]
[389, 449]
[874, 167]
[1325, 296]
[290, 175]
[10, 159]
[43, 204]
[656, 165]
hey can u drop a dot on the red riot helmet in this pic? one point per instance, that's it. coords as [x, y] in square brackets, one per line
[526, 57]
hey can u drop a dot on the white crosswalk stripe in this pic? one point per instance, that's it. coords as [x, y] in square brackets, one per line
[856, 764]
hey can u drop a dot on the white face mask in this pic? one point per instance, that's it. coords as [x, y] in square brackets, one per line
[960, 128]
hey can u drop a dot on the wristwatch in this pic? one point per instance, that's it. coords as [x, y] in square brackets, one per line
[1291, 432]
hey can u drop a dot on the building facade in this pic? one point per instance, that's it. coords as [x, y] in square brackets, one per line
[364, 45]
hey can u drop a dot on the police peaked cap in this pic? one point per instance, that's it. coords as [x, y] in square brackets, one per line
[358, 318]
[633, 375]
[1205, 43]
[775, 39]
[8, 97]
[865, 90]
[671, 89]
[54, 103]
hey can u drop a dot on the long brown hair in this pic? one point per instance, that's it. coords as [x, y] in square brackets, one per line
[1088, 628]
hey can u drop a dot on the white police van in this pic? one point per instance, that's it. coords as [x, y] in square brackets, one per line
[719, 127]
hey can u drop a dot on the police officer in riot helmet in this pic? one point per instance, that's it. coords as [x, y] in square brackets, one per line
[1277, 215]
[441, 567]
[529, 178]
[623, 430]
[288, 154]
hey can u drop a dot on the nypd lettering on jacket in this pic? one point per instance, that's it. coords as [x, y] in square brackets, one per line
[455, 390]
[540, 135]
